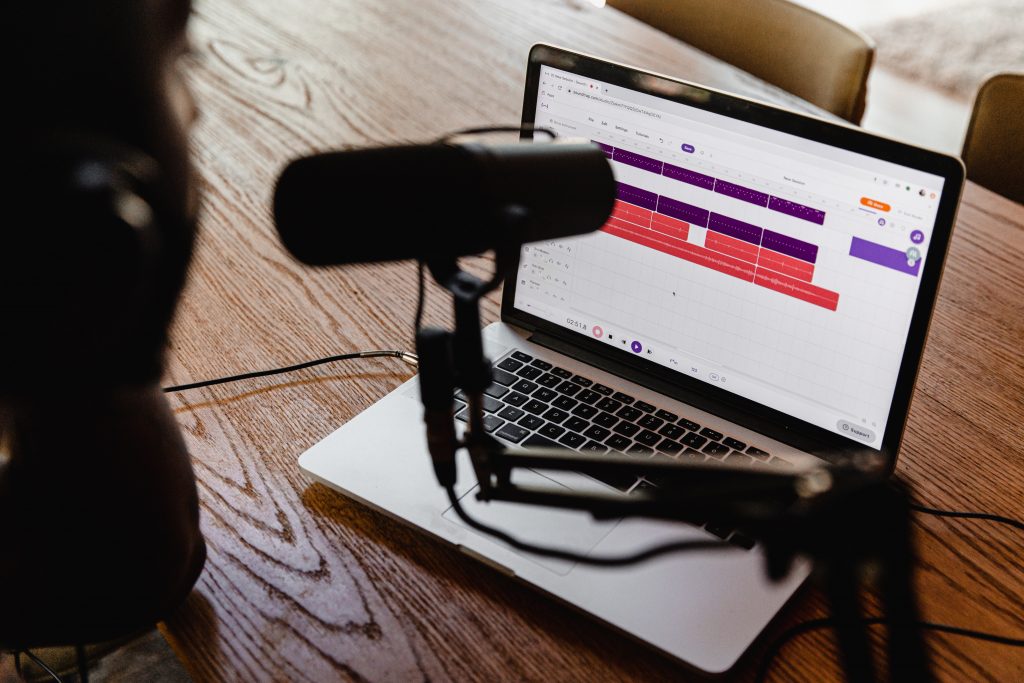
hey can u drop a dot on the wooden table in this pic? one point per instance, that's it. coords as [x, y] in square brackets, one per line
[303, 584]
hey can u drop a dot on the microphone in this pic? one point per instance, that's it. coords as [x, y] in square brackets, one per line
[443, 199]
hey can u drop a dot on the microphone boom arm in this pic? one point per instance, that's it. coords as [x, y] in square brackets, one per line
[845, 516]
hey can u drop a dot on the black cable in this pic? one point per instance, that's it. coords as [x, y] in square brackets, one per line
[653, 551]
[816, 624]
[421, 295]
[405, 356]
[83, 663]
[41, 664]
[968, 515]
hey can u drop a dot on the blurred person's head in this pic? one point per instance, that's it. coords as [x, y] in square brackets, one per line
[100, 216]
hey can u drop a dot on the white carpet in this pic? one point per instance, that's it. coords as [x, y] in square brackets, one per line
[954, 48]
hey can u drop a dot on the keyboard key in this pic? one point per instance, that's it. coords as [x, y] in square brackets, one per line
[588, 396]
[491, 423]
[536, 407]
[608, 404]
[575, 424]
[626, 428]
[691, 455]
[496, 390]
[603, 390]
[564, 403]
[524, 386]
[531, 422]
[669, 447]
[542, 364]
[584, 411]
[739, 459]
[582, 381]
[458, 405]
[510, 364]
[568, 388]
[538, 441]
[650, 422]
[572, 440]
[647, 438]
[637, 449]
[593, 447]
[596, 433]
[734, 444]
[672, 431]
[510, 413]
[711, 434]
[513, 433]
[623, 398]
[742, 540]
[646, 407]
[667, 416]
[757, 452]
[629, 413]
[689, 424]
[605, 419]
[529, 372]
[514, 399]
[561, 372]
[520, 356]
[551, 430]
[617, 442]
[716, 449]
[503, 378]
[779, 462]
[463, 416]
[491, 405]
[694, 440]
[555, 415]
[461, 395]
[719, 530]
[545, 394]
[548, 380]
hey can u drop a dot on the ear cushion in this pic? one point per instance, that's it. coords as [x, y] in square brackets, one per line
[80, 256]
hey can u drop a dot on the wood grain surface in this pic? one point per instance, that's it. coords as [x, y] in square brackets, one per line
[302, 584]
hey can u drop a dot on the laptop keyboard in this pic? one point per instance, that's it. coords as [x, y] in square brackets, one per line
[534, 403]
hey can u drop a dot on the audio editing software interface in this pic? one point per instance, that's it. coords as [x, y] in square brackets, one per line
[777, 268]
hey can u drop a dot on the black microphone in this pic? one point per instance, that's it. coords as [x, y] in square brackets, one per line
[444, 199]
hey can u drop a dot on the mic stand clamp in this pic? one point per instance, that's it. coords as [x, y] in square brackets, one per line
[456, 360]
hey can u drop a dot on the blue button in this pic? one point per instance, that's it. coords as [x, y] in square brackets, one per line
[688, 148]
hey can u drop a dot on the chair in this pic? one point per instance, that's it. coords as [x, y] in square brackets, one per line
[778, 41]
[994, 145]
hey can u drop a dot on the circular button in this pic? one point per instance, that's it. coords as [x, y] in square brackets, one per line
[637, 347]
[598, 332]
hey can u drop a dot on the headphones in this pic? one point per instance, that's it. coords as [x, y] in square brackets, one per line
[81, 262]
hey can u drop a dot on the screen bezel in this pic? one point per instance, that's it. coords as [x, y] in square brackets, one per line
[733, 407]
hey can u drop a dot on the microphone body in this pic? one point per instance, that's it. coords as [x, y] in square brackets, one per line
[420, 201]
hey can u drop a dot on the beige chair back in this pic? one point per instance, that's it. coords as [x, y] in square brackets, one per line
[778, 41]
[994, 146]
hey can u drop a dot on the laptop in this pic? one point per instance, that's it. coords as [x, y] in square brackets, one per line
[760, 294]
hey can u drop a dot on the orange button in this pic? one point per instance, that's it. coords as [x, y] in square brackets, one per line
[874, 204]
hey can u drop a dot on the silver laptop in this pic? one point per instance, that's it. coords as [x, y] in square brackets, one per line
[761, 292]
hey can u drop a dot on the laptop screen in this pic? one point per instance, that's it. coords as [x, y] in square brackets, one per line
[774, 267]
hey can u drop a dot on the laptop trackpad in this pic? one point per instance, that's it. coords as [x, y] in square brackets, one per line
[544, 526]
